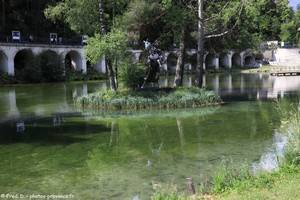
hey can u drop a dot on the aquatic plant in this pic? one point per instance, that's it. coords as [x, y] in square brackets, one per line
[129, 100]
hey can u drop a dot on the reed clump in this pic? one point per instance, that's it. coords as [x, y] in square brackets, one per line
[138, 100]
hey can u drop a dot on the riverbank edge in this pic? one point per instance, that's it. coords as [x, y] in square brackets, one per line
[158, 99]
[8, 80]
[265, 186]
[251, 187]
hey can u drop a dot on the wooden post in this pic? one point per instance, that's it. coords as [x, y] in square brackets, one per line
[190, 186]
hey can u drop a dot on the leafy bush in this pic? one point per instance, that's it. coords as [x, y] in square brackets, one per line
[131, 74]
[6, 79]
[28, 70]
[51, 67]
[33, 72]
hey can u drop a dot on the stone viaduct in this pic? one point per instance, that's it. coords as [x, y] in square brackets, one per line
[10, 51]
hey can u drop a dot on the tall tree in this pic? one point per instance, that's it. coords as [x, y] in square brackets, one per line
[181, 59]
[290, 31]
[200, 46]
[108, 62]
[214, 25]
[3, 11]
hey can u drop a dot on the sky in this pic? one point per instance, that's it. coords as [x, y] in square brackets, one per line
[294, 3]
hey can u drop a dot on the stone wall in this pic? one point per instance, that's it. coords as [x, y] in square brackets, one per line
[288, 57]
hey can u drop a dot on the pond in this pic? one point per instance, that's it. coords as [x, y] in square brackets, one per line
[49, 147]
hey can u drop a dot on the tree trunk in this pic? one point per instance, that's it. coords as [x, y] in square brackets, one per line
[3, 15]
[109, 64]
[102, 17]
[200, 50]
[180, 60]
[111, 75]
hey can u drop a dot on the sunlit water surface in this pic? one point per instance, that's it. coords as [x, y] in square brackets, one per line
[49, 147]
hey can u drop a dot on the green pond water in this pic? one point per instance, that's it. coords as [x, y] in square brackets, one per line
[49, 147]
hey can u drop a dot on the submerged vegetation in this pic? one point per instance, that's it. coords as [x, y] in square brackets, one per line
[137, 100]
[232, 183]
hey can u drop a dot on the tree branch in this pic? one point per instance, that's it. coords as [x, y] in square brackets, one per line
[219, 13]
[227, 31]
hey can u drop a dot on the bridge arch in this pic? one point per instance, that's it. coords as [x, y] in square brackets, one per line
[172, 61]
[192, 61]
[236, 60]
[51, 65]
[224, 60]
[3, 62]
[24, 58]
[73, 60]
[210, 61]
[249, 60]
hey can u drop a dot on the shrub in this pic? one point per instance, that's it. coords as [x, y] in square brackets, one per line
[33, 73]
[6, 79]
[29, 71]
[51, 67]
[131, 74]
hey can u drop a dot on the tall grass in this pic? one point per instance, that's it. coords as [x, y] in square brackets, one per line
[129, 100]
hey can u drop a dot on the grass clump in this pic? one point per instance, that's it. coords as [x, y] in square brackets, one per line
[138, 100]
[7, 79]
[227, 177]
[168, 196]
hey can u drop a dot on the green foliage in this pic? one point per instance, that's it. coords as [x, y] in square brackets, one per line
[141, 20]
[30, 71]
[169, 196]
[83, 16]
[168, 192]
[80, 15]
[91, 74]
[51, 67]
[131, 74]
[180, 98]
[112, 45]
[226, 177]
[289, 29]
[6, 79]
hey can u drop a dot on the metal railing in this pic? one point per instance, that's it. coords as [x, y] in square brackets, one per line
[74, 41]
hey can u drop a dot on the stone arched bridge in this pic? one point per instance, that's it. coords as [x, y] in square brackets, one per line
[227, 60]
[9, 52]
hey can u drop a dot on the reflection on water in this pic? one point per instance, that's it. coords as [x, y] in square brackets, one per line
[46, 99]
[41, 100]
[270, 160]
[44, 138]
[244, 86]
